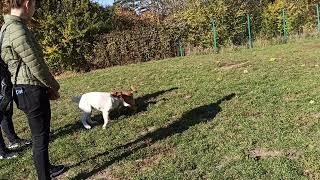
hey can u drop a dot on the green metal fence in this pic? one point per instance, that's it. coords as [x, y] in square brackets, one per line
[283, 35]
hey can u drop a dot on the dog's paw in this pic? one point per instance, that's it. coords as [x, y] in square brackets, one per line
[87, 127]
[104, 126]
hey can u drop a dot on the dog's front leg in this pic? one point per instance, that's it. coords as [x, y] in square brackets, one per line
[105, 115]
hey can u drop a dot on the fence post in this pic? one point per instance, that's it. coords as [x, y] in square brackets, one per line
[214, 32]
[318, 18]
[249, 32]
[180, 48]
[284, 26]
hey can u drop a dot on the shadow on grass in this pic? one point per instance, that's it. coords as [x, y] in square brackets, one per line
[142, 104]
[191, 118]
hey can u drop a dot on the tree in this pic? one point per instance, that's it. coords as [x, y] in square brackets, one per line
[68, 29]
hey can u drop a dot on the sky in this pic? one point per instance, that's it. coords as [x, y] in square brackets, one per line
[105, 2]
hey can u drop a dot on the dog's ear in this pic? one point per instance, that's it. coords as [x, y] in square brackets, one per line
[117, 94]
[133, 88]
[127, 93]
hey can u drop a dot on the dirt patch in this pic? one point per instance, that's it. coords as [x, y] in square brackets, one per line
[307, 121]
[150, 161]
[315, 115]
[105, 175]
[289, 98]
[227, 160]
[61, 177]
[261, 153]
[264, 153]
[148, 130]
[312, 47]
[311, 174]
[66, 74]
[158, 152]
[252, 113]
[228, 66]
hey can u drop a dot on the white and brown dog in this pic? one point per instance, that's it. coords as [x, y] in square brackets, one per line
[104, 102]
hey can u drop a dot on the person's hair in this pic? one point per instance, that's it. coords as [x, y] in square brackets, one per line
[9, 4]
[16, 3]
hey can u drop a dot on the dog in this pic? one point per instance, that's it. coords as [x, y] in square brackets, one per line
[104, 102]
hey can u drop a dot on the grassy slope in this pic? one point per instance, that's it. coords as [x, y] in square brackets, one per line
[189, 125]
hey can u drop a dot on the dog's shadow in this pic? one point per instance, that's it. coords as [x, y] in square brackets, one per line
[191, 118]
[142, 104]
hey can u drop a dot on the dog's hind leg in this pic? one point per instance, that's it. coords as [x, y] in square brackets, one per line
[84, 119]
[105, 115]
[86, 115]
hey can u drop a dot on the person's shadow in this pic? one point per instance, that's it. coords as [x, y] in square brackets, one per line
[142, 103]
[191, 118]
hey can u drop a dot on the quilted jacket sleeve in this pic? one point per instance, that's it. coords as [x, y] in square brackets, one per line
[24, 44]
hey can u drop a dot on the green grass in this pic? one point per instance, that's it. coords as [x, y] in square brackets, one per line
[251, 114]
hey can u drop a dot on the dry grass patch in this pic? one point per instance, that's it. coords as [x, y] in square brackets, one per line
[158, 152]
[232, 65]
[261, 153]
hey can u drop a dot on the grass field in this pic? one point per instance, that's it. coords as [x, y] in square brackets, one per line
[250, 114]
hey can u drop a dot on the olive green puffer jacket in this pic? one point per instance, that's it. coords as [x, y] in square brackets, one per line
[20, 44]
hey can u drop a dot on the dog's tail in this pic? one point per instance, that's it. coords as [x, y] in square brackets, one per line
[76, 99]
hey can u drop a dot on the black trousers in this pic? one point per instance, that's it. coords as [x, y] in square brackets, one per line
[7, 127]
[34, 102]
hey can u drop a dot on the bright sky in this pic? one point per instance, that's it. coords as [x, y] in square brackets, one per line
[105, 2]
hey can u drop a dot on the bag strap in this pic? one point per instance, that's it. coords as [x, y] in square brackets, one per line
[3, 29]
[16, 76]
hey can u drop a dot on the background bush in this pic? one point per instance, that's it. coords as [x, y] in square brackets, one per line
[81, 35]
[135, 39]
[68, 29]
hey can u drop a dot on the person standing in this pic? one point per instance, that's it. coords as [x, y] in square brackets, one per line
[14, 140]
[35, 85]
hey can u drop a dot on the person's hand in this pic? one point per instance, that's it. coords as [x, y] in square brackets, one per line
[53, 95]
